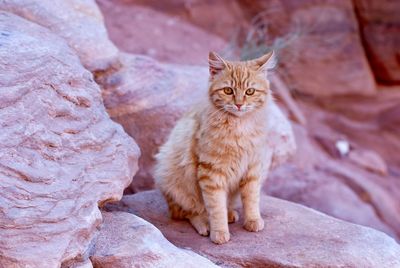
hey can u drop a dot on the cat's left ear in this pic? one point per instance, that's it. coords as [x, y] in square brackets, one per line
[216, 63]
[266, 62]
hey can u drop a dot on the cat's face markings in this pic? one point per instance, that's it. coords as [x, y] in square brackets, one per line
[238, 87]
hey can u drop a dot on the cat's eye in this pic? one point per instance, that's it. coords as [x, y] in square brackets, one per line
[250, 91]
[228, 90]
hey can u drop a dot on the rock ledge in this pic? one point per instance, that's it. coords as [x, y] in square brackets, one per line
[295, 236]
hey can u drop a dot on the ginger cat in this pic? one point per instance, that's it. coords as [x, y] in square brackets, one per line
[216, 152]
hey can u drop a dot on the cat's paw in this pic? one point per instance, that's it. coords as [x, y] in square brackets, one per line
[254, 225]
[220, 237]
[233, 216]
[203, 230]
[200, 223]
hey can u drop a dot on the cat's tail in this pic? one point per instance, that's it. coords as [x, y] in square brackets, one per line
[176, 212]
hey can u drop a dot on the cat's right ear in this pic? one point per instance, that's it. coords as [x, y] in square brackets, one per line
[216, 63]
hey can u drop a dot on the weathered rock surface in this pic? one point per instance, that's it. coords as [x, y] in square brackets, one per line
[222, 18]
[350, 187]
[156, 34]
[126, 240]
[369, 160]
[60, 154]
[79, 22]
[147, 98]
[319, 37]
[311, 37]
[380, 26]
[294, 236]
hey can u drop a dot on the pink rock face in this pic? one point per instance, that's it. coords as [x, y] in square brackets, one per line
[369, 160]
[350, 187]
[294, 236]
[312, 37]
[147, 98]
[80, 23]
[380, 25]
[142, 30]
[126, 240]
[321, 38]
[60, 154]
[222, 18]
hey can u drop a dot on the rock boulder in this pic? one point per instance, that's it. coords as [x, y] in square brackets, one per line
[380, 31]
[126, 240]
[60, 154]
[294, 236]
[80, 23]
[157, 34]
[315, 37]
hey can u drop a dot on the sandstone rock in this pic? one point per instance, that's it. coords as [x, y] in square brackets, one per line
[380, 26]
[283, 93]
[338, 186]
[316, 37]
[147, 98]
[313, 37]
[163, 37]
[389, 119]
[126, 240]
[223, 17]
[325, 192]
[369, 160]
[335, 186]
[60, 154]
[79, 22]
[368, 122]
[85, 264]
[294, 236]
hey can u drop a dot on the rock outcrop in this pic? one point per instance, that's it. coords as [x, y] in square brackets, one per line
[350, 186]
[380, 28]
[60, 154]
[79, 23]
[316, 37]
[311, 37]
[294, 236]
[155, 34]
[126, 240]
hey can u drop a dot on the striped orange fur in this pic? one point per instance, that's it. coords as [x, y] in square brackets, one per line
[216, 152]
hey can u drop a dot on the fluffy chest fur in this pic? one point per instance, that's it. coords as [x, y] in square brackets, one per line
[230, 144]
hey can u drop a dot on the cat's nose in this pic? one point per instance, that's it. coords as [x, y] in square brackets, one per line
[239, 105]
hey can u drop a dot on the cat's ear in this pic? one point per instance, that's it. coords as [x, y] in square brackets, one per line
[266, 62]
[216, 63]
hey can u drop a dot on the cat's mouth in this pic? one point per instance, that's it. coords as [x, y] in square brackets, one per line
[238, 112]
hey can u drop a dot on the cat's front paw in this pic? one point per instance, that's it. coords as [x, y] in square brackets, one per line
[254, 225]
[233, 216]
[220, 237]
[200, 223]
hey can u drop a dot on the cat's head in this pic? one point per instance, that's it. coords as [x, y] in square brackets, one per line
[239, 87]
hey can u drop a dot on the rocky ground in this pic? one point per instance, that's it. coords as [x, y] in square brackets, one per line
[295, 236]
[62, 157]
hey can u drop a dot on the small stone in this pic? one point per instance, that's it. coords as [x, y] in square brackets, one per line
[343, 147]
